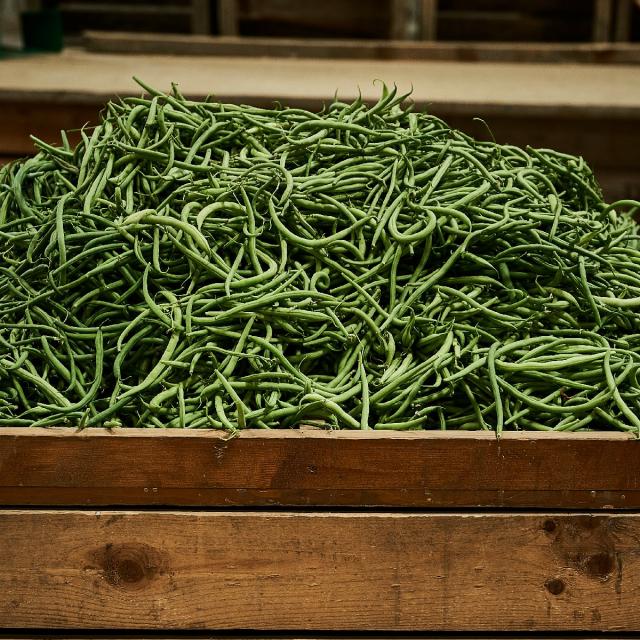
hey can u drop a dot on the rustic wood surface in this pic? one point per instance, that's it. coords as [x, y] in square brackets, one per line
[318, 468]
[536, 52]
[468, 88]
[319, 571]
[44, 120]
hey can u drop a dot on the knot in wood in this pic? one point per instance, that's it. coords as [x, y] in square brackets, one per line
[129, 566]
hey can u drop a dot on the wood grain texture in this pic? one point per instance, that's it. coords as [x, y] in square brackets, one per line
[306, 571]
[329, 18]
[481, 89]
[317, 468]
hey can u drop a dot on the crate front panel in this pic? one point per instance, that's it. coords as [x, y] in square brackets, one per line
[319, 571]
[174, 467]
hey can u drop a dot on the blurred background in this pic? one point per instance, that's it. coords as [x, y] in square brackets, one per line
[564, 74]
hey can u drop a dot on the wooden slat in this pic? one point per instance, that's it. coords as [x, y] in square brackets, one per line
[590, 91]
[43, 119]
[602, 19]
[429, 19]
[228, 17]
[200, 17]
[59, 466]
[315, 571]
[584, 53]
[624, 19]
[154, 634]
[399, 22]
[149, 9]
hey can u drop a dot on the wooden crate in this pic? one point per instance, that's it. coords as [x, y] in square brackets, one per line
[309, 530]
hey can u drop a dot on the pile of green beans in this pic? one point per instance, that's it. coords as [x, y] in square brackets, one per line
[195, 264]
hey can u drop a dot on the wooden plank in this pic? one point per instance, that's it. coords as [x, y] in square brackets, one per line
[399, 22]
[200, 17]
[602, 20]
[624, 19]
[176, 44]
[60, 466]
[618, 184]
[329, 18]
[149, 9]
[104, 634]
[511, 25]
[595, 91]
[319, 571]
[603, 142]
[429, 19]
[228, 17]
[44, 120]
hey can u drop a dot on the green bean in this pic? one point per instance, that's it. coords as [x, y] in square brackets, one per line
[194, 264]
